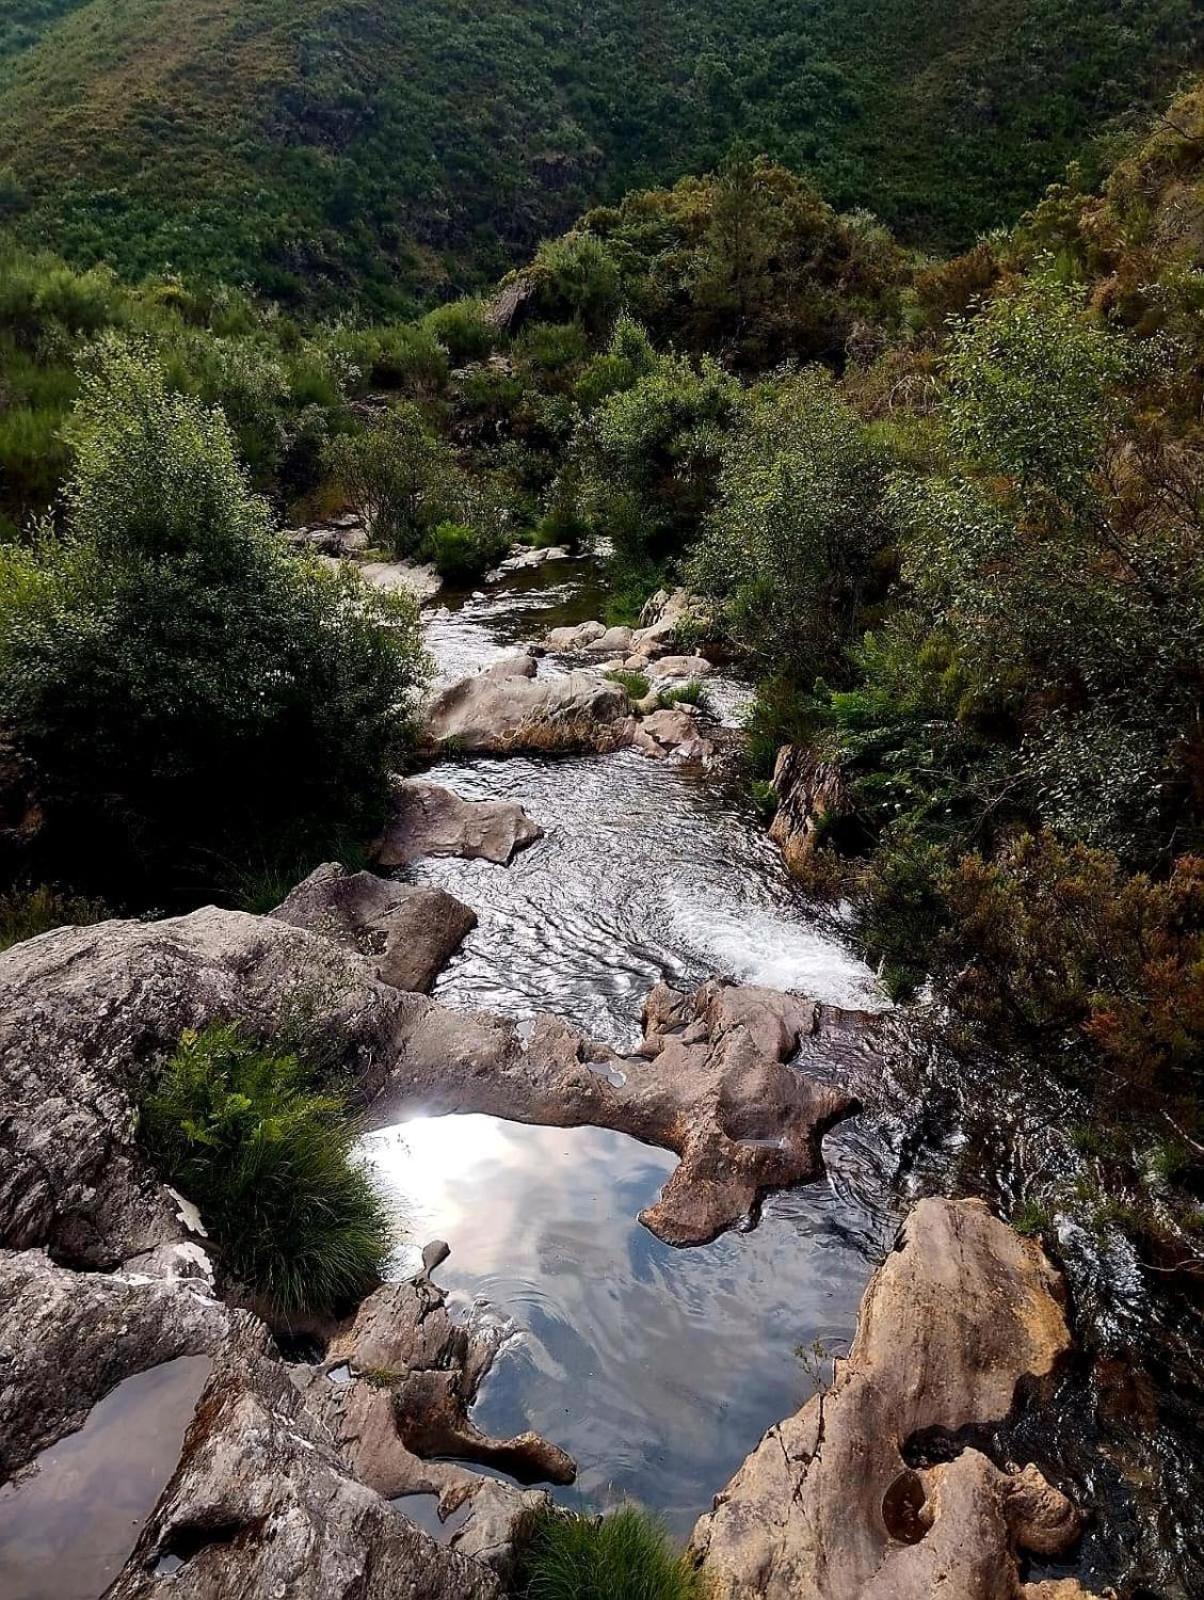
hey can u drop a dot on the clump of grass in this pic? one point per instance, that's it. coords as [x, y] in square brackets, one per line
[686, 694]
[764, 798]
[624, 1556]
[245, 1133]
[635, 683]
[1032, 1219]
[259, 884]
[26, 912]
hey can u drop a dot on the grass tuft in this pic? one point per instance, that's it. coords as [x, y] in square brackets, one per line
[27, 912]
[635, 683]
[686, 694]
[624, 1556]
[245, 1133]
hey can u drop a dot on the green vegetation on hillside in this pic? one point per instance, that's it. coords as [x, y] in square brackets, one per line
[327, 149]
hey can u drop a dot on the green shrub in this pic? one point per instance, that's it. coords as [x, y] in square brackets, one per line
[269, 1160]
[24, 913]
[624, 1556]
[180, 685]
[463, 330]
[693, 693]
[635, 683]
[462, 554]
[399, 477]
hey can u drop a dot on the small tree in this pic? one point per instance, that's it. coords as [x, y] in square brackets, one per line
[788, 549]
[398, 476]
[181, 685]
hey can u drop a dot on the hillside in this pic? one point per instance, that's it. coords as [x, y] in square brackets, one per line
[320, 147]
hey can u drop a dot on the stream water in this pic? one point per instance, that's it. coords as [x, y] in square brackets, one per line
[659, 1369]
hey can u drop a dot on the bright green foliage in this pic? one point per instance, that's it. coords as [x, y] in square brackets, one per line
[788, 550]
[462, 554]
[635, 684]
[399, 476]
[624, 1556]
[462, 329]
[26, 912]
[244, 1134]
[179, 683]
[693, 693]
[652, 455]
[327, 148]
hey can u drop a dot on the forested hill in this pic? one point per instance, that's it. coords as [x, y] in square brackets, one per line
[393, 148]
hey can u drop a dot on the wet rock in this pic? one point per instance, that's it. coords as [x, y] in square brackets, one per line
[808, 789]
[402, 577]
[87, 1011]
[68, 1338]
[262, 1503]
[432, 821]
[487, 714]
[518, 666]
[841, 1501]
[679, 669]
[580, 637]
[525, 559]
[710, 1083]
[409, 931]
[673, 732]
[415, 1374]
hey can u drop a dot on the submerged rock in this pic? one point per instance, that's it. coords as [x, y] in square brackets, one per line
[410, 931]
[875, 1489]
[515, 714]
[432, 821]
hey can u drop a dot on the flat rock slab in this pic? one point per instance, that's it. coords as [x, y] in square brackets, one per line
[962, 1322]
[409, 931]
[402, 577]
[429, 820]
[516, 714]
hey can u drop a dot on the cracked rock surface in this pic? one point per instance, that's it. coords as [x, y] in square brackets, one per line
[961, 1324]
[408, 930]
[429, 820]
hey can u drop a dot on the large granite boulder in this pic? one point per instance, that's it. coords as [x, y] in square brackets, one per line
[875, 1490]
[409, 931]
[516, 714]
[429, 820]
[87, 1012]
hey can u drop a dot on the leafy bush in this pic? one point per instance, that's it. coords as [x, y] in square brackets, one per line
[244, 1134]
[788, 550]
[27, 912]
[178, 682]
[624, 1556]
[462, 328]
[399, 477]
[462, 554]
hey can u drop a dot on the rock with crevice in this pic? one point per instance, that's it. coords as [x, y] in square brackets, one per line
[515, 714]
[430, 820]
[811, 791]
[409, 931]
[875, 1490]
[408, 1375]
[87, 1012]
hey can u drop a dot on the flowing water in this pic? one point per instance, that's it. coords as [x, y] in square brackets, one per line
[658, 1369]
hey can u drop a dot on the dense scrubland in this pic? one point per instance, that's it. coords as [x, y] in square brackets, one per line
[360, 151]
